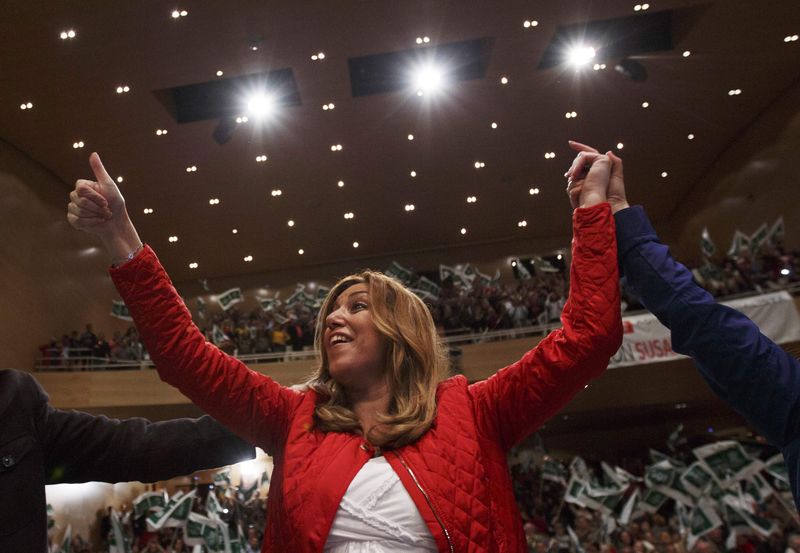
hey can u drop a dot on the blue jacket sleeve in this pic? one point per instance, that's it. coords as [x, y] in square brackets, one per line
[745, 368]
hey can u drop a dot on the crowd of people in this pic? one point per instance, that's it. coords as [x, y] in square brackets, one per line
[555, 520]
[459, 308]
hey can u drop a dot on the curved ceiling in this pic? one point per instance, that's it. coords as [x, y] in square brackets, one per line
[72, 85]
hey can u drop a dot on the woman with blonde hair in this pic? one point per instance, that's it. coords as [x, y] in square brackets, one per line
[379, 451]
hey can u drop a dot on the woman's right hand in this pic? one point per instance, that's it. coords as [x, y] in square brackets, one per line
[97, 207]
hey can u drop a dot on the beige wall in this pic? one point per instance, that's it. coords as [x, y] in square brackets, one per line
[51, 280]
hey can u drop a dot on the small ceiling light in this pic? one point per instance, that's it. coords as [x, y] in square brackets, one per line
[191, 169]
[290, 222]
[172, 239]
[175, 14]
[161, 132]
[301, 251]
[340, 184]
[514, 263]
[242, 119]
[413, 174]
[690, 136]
[276, 192]
[27, 105]
[687, 53]
[423, 40]
[329, 105]
[410, 207]
[533, 191]
[318, 56]
[599, 66]
[355, 244]
[234, 231]
[645, 105]
[120, 179]
[493, 125]
[790, 38]
[549, 155]
[472, 199]
[410, 137]
[620, 145]
[463, 230]
[348, 215]
[641, 7]
[522, 223]
[528, 24]
[785, 271]
[213, 201]
[78, 144]
[734, 92]
[504, 80]
[148, 211]
[261, 159]
[664, 174]
[193, 265]
[479, 165]
[559, 257]
[571, 114]
[220, 73]
[69, 33]
[248, 258]
[336, 147]
[123, 89]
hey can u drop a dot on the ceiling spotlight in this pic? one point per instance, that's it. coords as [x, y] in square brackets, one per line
[301, 251]
[241, 119]
[161, 132]
[120, 179]
[664, 174]
[641, 7]
[479, 165]
[318, 56]
[172, 239]
[734, 92]
[213, 201]
[248, 258]
[348, 215]
[290, 222]
[78, 144]
[645, 105]
[687, 53]
[340, 184]
[355, 244]
[220, 73]
[26, 105]
[522, 223]
[413, 174]
[528, 24]
[148, 211]
[193, 265]
[550, 155]
[410, 207]
[123, 89]
[493, 125]
[571, 114]
[70, 33]
[620, 145]
[191, 169]
[599, 66]
[328, 106]
[463, 230]
[260, 104]
[427, 79]
[261, 159]
[533, 191]
[336, 147]
[235, 231]
[690, 136]
[472, 199]
[276, 192]
[579, 56]
[503, 80]
[410, 137]
[790, 38]
[423, 40]
[632, 69]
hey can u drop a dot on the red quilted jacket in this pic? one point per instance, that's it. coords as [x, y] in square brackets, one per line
[456, 473]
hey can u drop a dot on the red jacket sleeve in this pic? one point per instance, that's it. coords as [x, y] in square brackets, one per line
[516, 400]
[251, 404]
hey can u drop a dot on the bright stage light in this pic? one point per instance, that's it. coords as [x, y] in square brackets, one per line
[428, 79]
[580, 56]
[260, 105]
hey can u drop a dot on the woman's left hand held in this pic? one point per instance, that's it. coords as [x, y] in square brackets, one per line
[591, 189]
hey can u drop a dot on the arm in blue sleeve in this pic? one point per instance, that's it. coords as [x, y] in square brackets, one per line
[745, 368]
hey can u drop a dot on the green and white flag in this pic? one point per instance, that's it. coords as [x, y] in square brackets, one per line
[575, 541]
[118, 542]
[575, 492]
[627, 510]
[664, 478]
[269, 304]
[175, 513]
[758, 238]
[676, 439]
[486, 280]
[776, 467]
[702, 520]
[203, 531]
[120, 310]
[201, 307]
[66, 540]
[229, 298]
[427, 285]
[223, 478]
[245, 493]
[298, 296]
[149, 501]
[651, 501]
[213, 508]
[777, 231]
[280, 318]
[755, 523]
[544, 265]
[397, 271]
[706, 244]
[322, 292]
[579, 468]
[697, 479]
[657, 457]
[727, 461]
[554, 471]
[217, 336]
[611, 478]
[626, 477]
[740, 240]
[522, 270]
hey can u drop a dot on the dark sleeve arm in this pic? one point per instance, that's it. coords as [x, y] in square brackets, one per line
[80, 447]
[745, 368]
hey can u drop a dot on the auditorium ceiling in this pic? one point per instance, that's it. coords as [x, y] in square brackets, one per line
[332, 170]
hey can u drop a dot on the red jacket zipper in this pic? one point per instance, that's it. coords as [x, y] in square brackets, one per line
[428, 499]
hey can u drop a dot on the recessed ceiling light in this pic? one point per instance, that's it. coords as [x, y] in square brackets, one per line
[528, 24]
[69, 33]
[664, 174]
[336, 147]
[234, 231]
[734, 92]
[26, 105]
[78, 144]
[533, 191]
[687, 53]
[179, 13]
[123, 89]
[641, 7]
[549, 155]
[645, 105]
[503, 80]
[410, 137]
[790, 38]
[193, 265]
[493, 125]
[340, 184]
[410, 207]
[690, 136]
[161, 132]
[276, 192]
[213, 201]
[241, 119]
[290, 222]
[472, 199]
[220, 73]
[599, 66]
[301, 251]
[120, 179]
[248, 258]
[148, 211]
[479, 165]
[172, 239]
[318, 56]
[463, 230]
[620, 145]
[191, 169]
[413, 174]
[349, 215]
[355, 244]
[329, 105]
[261, 159]
[522, 223]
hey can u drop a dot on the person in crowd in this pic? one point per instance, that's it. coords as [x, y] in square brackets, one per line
[378, 447]
[754, 375]
[42, 445]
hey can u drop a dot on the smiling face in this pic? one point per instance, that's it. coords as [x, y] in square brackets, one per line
[355, 349]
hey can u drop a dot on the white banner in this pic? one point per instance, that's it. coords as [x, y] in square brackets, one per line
[648, 341]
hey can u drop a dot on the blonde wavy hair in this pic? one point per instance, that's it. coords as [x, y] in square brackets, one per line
[415, 363]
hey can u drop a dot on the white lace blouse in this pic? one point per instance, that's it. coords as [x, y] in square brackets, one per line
[377, 515]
